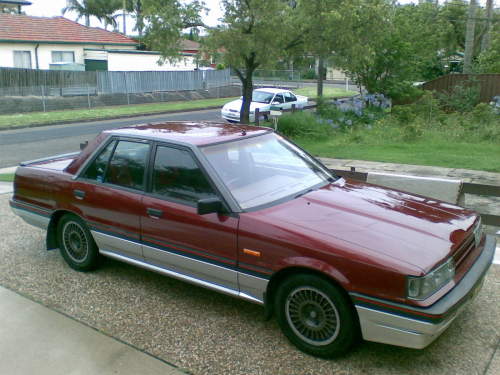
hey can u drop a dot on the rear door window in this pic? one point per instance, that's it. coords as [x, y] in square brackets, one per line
[97, 169]
[128, 164]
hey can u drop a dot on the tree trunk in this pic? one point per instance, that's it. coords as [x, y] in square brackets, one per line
[469, 37]
[321, 73]
[124, 15]
[247, 83]
[87, 20]
[485, 41]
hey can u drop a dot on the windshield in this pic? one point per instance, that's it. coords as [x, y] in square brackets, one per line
[262, 97]
[264, 169]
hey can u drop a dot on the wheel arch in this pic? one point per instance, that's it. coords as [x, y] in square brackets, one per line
[283, 274]
[51, 238]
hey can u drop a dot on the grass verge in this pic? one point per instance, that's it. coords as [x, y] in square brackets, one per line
[328, 92]
[6, 177]
[35, 118]
[477, 156]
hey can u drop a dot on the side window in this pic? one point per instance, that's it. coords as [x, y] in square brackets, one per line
[278, 98]
[176, 175]
[289, 97]
[128, 164]
[97, 169]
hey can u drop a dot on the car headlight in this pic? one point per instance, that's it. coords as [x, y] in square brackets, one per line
[422, 287]
[478, 232]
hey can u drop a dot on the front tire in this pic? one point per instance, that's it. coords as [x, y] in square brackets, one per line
[316, 316]
[76, 244]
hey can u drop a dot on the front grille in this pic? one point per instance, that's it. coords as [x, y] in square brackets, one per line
[464, 250]
[233, 110]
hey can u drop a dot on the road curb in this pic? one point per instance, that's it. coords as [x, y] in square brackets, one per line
[109, 118]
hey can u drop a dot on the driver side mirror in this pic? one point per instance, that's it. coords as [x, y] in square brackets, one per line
[275, 102]
[209, 206]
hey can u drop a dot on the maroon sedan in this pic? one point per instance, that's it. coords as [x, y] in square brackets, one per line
[243, 211]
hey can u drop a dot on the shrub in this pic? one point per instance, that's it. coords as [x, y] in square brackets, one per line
[462, 98]
[309, 74]
[304, 125]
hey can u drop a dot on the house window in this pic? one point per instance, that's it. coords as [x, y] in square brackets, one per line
[22, 59]
[63, 56]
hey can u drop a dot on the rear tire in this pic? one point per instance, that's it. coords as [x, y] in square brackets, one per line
[316, 316]
[76, 244]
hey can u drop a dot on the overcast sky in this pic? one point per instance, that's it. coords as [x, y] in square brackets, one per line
[49, 8]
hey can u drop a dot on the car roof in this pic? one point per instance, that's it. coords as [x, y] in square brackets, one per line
[195, 133]
[271, 89]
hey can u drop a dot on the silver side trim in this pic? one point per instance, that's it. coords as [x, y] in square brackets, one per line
[253, 286]
[119, 245]
[37, 220]
[180, 276]
[197, 269]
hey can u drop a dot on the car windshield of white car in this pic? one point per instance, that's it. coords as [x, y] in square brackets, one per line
[265, 169]
[262, 97]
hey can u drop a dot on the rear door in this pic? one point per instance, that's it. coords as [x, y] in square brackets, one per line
[175, 237]
[109, 195]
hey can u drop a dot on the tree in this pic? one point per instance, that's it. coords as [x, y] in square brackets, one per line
[135, 9]
[316, 18]
[388, 46]
[165, 21]
[253, 34]
[103, 10]
[489, 60]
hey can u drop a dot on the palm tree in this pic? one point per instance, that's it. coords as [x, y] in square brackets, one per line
[134, 8]
[80, 7]
[103, 10]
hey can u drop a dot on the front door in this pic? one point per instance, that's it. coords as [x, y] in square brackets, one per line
[174, 236]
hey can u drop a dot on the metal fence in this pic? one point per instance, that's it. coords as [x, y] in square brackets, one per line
[275, 78]
[28, 90]
[489, 84]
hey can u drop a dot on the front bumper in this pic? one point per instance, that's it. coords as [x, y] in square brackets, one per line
[418, 327]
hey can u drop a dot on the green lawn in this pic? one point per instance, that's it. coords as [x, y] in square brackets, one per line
[328, 92]
[478, 156]
[31, 118]
[6, 177]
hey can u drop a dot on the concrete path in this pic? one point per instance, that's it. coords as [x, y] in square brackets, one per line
[37, 340]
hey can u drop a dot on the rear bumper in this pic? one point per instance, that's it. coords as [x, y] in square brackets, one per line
[34, 215]
[416, 328]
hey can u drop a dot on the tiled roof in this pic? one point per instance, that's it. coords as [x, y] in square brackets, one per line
[189, 45]
[16, 27]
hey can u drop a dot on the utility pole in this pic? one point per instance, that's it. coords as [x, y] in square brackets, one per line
[469, 37]
[485, 41]
[124, 17]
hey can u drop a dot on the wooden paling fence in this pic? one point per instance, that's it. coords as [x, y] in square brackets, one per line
[489, 84]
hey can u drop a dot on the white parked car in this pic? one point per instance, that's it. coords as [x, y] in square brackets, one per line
[263, 99]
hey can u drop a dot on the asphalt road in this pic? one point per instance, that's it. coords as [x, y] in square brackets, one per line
[33, 143]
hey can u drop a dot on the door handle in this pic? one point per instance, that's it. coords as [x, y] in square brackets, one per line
[79, 194]
[154, 212]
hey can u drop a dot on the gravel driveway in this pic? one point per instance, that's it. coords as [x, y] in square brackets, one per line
[209, 333]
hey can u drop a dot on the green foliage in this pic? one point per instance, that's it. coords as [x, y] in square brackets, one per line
[489, 60]
[304, 125]
[103, 10]
[309, 74]
[462, 98]
[248, 34]
[165, 22]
